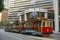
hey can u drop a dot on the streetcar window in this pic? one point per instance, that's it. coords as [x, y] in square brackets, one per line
[50, 23]
[43, 23]
[46, 24]
[39, 23]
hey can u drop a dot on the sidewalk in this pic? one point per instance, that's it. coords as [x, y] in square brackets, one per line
[57, 33]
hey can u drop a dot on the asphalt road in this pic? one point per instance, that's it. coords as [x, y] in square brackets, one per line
[15, 36]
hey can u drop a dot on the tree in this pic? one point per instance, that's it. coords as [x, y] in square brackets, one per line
[0, 23]
[4, 23]
[1, 5]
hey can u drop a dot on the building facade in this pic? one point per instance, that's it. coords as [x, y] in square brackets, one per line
[4, 15]
[6, 4]
[12, 11]
[39, 9]
[32, 6]
[25, 9]
[0, 16]
[17, 6]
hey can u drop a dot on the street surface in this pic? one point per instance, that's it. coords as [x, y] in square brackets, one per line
[16, 36]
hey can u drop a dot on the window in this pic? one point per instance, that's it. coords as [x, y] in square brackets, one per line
[59, 4]
[50, 23]
[58, 0]
[59, 24]
[59, 12]
[53, 25]
[59, 7]
[50, 15]
[28, 16]
[42, 14]
[43, 23]
[38, 14]
[39, 23]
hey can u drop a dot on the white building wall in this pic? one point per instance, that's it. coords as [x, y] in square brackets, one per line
[56, 12]
[6, 3]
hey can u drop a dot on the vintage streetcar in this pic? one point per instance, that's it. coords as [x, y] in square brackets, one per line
[38, 26]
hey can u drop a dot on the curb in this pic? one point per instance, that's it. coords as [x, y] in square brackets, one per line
[57, 33]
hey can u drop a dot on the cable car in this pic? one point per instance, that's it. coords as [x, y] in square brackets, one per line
[40, 26]
[8, 27]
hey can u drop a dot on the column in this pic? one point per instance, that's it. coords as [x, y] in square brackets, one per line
[20, 18]
[56, 14]
[25, 17]
[45, 14]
